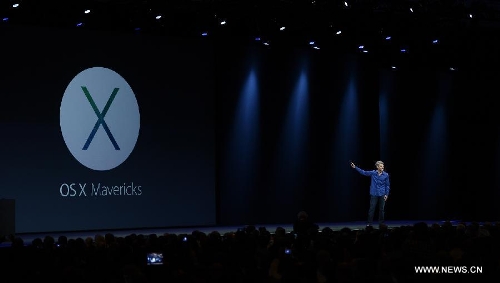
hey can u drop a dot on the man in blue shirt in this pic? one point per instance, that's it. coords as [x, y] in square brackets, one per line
[379, 189]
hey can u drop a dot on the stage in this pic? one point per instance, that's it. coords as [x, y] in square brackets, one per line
[29, 237]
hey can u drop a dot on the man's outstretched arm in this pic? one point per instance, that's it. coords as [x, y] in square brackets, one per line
[361, 171]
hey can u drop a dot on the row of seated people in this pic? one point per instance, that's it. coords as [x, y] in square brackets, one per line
[307, 255]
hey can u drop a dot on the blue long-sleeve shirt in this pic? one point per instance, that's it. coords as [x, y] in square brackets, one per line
[380, 184]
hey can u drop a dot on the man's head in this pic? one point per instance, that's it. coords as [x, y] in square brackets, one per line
[379, 165]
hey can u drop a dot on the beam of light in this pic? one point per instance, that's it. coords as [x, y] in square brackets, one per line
[386, 90]
[295, 128]
[290, 158]
[247, 110]
[240, 166]
[347, 130]
[345, 147]
[290, 161]
[433, 163]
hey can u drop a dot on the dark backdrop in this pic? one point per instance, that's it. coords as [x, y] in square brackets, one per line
[436, 128]
[268, 131]
[315, 111]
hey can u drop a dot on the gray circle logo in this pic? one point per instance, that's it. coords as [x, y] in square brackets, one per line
[99, 118]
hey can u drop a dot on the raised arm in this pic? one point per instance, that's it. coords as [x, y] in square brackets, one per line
[361, 171]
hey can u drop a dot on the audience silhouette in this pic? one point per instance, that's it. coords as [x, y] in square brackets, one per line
[305, 255]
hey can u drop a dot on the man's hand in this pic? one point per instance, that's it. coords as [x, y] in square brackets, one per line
[352, 165]
[385, 198]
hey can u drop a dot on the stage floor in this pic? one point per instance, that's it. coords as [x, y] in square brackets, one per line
[29, 237]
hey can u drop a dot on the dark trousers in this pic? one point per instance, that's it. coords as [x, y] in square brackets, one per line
[374, 200]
